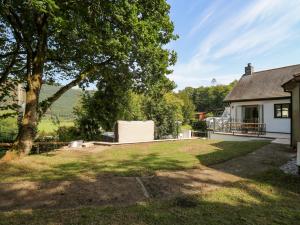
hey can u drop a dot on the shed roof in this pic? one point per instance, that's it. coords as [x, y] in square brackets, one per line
[266, 84]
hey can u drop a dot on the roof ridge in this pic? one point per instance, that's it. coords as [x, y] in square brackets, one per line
[277, 68]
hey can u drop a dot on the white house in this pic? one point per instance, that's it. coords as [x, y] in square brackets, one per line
[258, 97]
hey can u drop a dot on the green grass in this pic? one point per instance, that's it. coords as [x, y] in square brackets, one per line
[130, 160]
[9, 126]
[272, 198]
[48, 126]
[232, 150]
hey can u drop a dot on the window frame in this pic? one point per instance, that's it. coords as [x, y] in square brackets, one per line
[281, 106]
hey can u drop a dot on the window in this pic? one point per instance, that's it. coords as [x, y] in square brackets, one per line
[282, 110]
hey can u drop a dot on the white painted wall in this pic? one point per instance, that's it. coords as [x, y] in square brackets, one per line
[134, 131]
[281, 125]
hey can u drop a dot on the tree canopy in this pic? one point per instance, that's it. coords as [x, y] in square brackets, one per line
[79, 42]
[208, 99]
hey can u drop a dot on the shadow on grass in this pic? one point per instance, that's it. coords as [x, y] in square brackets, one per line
[227, 150]
[2, 153]
[134, 165]
[273, 199]
[270, 197]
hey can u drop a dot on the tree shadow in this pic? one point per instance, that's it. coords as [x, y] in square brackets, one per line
[226, 150]
[2, 153]
[82, 201]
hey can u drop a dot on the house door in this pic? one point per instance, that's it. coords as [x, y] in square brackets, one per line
[251, 114]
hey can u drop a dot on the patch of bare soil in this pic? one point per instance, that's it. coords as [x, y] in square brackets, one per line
[194, 181]
[70, 194]
[92, 149]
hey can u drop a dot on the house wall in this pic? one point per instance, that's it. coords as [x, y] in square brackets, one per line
[296, 115]
[280, 125]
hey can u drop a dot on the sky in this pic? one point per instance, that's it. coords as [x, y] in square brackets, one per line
[217, 38]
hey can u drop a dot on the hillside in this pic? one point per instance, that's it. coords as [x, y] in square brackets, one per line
[63, 107]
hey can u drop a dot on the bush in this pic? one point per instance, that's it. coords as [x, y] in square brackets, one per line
[199, 125]
[68, 133]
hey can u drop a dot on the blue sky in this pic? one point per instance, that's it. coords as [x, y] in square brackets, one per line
[219, 37]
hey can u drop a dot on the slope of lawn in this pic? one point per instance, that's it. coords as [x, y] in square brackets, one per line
[272, 198]
[128, 160]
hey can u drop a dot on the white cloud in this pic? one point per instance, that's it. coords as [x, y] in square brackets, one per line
[257, 28]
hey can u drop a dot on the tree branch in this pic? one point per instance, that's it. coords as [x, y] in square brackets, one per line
[17, 25]
[7, 70]
[11, 53]
[44, 105]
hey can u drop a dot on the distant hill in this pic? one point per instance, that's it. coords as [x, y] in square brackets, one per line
[63, 107]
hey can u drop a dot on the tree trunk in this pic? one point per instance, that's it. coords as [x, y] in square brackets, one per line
[35, 64]
[28, 128]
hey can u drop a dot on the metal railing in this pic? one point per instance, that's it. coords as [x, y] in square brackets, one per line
[227, 126]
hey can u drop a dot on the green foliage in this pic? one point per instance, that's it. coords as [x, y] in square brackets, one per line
[208, 99]
[68, 133]
[188, 108]
[199, 125]
[117, 100]
[166, 114]
[8, 129]
[106, 106]
[80, 42]
[86, 120]
[185, 127]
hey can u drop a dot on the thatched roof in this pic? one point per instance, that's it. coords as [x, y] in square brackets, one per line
[288, 86]
[265, 84]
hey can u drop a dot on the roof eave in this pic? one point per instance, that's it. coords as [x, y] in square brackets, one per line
[256, 99]
[289, 85]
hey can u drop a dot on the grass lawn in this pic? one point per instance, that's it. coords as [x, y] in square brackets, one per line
[47, 125]
[130, 160]
[272, 198]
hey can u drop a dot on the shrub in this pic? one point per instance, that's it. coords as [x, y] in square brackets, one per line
[68, 133]
[199, 125]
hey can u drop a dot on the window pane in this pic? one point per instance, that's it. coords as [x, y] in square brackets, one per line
[278, 113]
[277, 110]
[285, 110]
[285, 113]
[285, 106]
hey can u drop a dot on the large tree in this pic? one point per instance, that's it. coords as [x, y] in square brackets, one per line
[81, 41]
